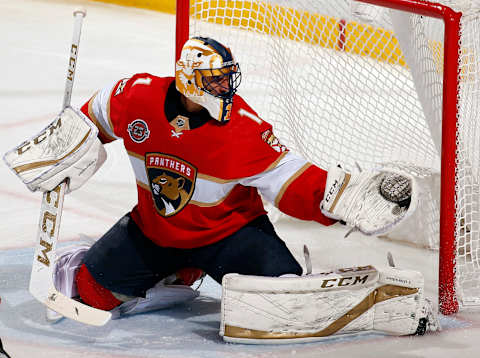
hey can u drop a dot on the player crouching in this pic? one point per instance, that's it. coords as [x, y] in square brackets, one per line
[72, 278]
[202, 157]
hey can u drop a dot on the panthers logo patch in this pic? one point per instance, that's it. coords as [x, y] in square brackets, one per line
[172, 181]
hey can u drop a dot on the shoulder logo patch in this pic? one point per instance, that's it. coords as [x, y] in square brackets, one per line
[269, 138]
[138, 130]
[121, 86]
[172, 182]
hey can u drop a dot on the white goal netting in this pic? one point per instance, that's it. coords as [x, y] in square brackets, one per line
[350, 83]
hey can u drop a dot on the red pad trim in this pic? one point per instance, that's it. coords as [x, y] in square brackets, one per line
[188, 276]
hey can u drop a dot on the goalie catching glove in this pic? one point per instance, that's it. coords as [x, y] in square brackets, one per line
[372, 202]
[67, 148]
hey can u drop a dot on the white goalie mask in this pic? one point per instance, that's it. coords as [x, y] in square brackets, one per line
[208, 75]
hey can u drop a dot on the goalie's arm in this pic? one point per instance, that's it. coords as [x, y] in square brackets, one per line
[294, 186]
[104, 111]
[108, 108]
[71, 146]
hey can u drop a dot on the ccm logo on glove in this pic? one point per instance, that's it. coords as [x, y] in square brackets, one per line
[40, 138]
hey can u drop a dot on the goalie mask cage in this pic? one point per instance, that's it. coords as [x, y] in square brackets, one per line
[368, 82]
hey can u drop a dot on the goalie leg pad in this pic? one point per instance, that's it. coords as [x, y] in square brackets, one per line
[400, 313]
[261, 310]
[160, 296]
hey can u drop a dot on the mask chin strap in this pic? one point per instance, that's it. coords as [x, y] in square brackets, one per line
[218, 108]
[224, 115]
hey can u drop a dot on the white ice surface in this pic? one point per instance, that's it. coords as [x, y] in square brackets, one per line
[117, 42]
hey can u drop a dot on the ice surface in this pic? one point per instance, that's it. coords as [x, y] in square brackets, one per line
[117, 42]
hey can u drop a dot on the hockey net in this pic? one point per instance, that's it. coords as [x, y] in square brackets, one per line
[359, 84]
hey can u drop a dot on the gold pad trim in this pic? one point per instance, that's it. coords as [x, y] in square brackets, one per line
[342, 189]
[381, 294]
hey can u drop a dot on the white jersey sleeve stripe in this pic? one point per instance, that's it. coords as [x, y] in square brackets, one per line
[101, 110]
[288, 182]
[208, 192]
[94, 119]
[138, 165]
[275, 163]
[215, 179]
[273, 182]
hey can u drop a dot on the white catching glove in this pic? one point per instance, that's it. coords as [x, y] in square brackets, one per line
[371, 201]
[67, 148]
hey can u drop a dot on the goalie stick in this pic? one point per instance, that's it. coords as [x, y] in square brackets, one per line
[41, 279]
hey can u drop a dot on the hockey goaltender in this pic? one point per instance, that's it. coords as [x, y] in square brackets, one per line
[202, 157]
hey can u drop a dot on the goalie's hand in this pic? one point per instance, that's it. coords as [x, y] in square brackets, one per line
[66, 149]
[372, 202]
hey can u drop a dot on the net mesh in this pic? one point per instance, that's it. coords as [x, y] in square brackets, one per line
[356, 84]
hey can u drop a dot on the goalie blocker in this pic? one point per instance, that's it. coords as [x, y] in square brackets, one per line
[66, 148]
[273, 310]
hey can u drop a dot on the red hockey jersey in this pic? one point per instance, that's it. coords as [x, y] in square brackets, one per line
[198, 180]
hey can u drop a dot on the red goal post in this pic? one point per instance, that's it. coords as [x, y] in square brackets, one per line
[189, 11]
[448, 303]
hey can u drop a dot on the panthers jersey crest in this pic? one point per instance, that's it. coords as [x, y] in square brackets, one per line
[172, 181]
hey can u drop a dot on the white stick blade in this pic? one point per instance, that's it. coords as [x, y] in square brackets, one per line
[76, 310]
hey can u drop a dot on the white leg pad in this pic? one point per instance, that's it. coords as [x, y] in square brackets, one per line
[160, 296]
[397, 312]
[346, 301]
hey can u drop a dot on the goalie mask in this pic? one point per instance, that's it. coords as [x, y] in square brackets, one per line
[208, 75]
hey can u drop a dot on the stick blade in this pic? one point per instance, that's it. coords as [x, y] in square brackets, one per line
[72, 309]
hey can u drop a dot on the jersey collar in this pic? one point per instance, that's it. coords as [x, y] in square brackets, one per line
[174, 108]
